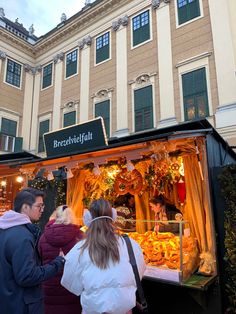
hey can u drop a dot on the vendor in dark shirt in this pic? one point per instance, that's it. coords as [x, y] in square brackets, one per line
[163, 213]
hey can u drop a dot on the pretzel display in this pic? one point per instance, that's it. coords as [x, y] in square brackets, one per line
[163, 249]
[128, 182]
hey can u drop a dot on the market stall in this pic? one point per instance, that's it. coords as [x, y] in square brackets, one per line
[11, 178]
[175, 163]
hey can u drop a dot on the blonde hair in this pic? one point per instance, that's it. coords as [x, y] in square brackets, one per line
[64, 215]
[101, 240]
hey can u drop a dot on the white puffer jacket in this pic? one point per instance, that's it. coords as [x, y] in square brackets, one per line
[103, 291]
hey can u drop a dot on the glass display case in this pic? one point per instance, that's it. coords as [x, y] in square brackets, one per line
[172, 255]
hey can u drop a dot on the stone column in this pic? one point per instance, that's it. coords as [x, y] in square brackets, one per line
[225, 63]
[165, 64]
[56, 117]
[84, 46]
[35, 109]
[121, 76]
[28, 105]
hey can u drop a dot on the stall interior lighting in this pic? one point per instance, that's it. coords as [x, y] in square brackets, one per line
[3, 183]
[19, 179]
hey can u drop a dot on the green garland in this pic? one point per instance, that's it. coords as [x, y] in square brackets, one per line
[228, 187]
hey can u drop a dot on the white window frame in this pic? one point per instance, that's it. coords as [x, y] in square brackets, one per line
[67, 109]
[45, 88]
[191, 66]
[41, 119]
[95, 48]
[151, 28]
[5, 73]
[136, 86]
[10, 116]
[77, 68]
[97, 100]
[190, 21]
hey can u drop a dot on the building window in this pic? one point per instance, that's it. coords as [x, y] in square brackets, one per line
[8, 135]
[141, 28]
[103, 48]
[143, 108]
[13, 74]
[71, 63]
[8, 127]
[195, 95]
[69, 118]
[47, 76]
[102, 109]
[43, 128]
[187, 10]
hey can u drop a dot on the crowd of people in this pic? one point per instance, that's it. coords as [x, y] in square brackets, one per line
[64, 270]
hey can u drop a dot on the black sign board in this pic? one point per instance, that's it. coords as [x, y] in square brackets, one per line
[76, 138]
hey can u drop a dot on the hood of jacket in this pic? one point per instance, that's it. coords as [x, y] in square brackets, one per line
[59, 234]
[12, 219]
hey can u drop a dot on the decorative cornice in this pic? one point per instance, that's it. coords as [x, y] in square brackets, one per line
[17, 42]
[70, 105]
[58, 57]
[103, 93]
[194, 58]
[3, 55]
[156, 3]
[122, 21]
[143, 78]
[85, 41]
[80, 22]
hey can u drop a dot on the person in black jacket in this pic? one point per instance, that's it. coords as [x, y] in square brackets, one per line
[21, 272]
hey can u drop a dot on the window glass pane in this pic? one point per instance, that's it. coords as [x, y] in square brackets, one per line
[69, 118]
[195, 94]
[188, 10]
[71, 63]
[143, 107]
[102, 47]
[102, 109]
[141, 28]
[13, 73]
[47, 75]
[43, 128]
[8, 127]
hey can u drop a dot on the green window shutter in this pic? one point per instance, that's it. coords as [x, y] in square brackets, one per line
[69, 118]
[195, 95]
[141, 28]
[71, 63]
[43, 128]
[143, 108]
[188, 10]
[18, 144]
[103, 48]
[102, 109]
[9, 127]
[47, 75]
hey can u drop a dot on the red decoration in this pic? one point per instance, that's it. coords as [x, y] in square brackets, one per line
[181, 190]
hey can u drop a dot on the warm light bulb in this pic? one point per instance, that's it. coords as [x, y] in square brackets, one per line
[19, 179]
[3, 183]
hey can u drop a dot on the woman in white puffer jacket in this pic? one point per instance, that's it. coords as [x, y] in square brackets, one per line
[98, 267]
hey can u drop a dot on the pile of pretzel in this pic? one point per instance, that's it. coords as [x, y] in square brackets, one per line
[164, 248]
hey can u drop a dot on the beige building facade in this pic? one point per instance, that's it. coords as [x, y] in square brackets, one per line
[140, 64]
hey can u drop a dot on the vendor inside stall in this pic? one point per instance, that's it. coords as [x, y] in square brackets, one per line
[164, 213]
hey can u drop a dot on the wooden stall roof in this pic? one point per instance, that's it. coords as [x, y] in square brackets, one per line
[10, 163]
[130, 146]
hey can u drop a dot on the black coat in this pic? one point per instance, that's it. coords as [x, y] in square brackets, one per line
[21, 273]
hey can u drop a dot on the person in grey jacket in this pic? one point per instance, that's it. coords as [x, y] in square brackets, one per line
[21, 272]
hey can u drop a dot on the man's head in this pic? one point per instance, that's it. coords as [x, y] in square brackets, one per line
[30, 202]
